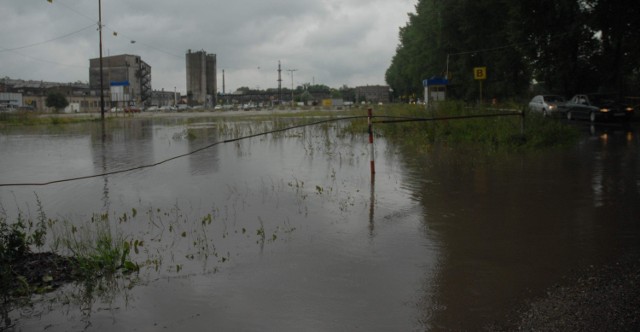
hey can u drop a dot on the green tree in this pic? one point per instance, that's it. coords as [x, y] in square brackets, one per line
[567, 46]
[450, 38]
[305, 97]
[57, 100]
[555, 38]
[617, 28]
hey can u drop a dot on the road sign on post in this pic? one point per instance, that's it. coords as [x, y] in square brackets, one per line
[480, 74]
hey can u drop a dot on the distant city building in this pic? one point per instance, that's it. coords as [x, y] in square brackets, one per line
[34, 94]
[10, 100]
[201, 78]
[126, 79]
[373, 93]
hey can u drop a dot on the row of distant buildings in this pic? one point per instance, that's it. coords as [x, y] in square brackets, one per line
[126, 82]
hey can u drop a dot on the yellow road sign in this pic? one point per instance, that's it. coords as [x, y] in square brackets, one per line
[480, 73]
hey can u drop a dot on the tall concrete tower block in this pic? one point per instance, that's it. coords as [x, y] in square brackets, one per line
[201, 78]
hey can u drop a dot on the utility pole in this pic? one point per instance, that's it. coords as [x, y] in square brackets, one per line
[291, 71]
[101, 74]
[279, 82]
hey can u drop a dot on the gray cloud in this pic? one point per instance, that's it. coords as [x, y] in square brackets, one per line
[332, 42]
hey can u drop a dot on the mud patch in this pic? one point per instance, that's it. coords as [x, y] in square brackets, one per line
[599, 299]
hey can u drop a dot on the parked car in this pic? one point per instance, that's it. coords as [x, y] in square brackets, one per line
[598, 107]
[548, 105]
[132, 109]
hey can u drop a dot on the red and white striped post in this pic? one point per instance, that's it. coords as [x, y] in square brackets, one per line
[371, 153]
[373, 172]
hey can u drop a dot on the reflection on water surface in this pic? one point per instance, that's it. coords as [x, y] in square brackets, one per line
[288, 231]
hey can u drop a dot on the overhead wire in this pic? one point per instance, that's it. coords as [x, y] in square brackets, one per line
[398, 119]
[390, 119]
[27, 184]
[89, 18]
[44, 41]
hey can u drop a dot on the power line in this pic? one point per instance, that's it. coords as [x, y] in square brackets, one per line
[176, 157]
[135, 40]
[45, 41]
[48, 61]
[105, 26]
[390, 119]
[89, 17]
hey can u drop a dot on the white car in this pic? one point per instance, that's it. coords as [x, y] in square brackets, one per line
[548, 105]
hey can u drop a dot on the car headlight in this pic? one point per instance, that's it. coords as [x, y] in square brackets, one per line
[605, 110]
[552, 107]
[629, 109]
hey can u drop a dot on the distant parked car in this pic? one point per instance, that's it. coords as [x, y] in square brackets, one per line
[132, 109]
[598, 107]
[152, 109]
[115, 110]
[548, 105]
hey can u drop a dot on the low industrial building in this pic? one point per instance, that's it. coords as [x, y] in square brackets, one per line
[373, 93]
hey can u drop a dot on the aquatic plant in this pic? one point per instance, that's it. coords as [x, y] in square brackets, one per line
[16, 242]
[97, 250]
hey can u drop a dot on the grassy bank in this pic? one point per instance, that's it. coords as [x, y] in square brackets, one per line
[87, 254]
[31, 119]
[454, 125]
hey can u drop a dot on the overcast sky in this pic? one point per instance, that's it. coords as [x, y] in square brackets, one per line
[331, 42]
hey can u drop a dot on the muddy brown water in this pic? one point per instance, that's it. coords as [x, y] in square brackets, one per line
[288, 231]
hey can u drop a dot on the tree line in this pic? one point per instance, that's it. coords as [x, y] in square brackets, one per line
[548, 46]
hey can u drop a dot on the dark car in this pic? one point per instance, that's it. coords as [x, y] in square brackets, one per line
[597, 107]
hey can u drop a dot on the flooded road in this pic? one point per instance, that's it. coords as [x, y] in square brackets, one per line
[287, 231]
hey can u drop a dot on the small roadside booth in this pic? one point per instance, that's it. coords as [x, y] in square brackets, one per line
[435, 89]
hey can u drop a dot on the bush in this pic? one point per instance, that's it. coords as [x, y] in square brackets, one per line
[57, 100]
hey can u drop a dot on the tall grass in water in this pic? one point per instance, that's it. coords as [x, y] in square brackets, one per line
[483, 134]
[96, 248]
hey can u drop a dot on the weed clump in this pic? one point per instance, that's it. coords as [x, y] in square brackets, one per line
[25, 269]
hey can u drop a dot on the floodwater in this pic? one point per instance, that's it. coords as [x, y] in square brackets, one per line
[290, 231]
